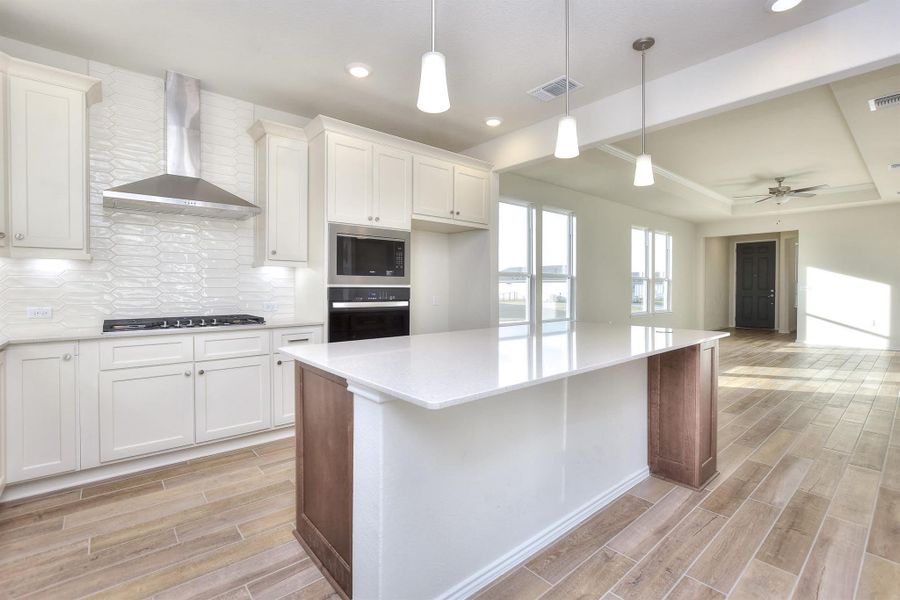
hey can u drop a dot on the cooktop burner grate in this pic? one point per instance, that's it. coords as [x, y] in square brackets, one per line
[156, 323]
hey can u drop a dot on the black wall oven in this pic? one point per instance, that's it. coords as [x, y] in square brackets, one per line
[361, 313]
[367, 256]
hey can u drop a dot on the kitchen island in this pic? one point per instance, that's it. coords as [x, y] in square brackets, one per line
[429, 465]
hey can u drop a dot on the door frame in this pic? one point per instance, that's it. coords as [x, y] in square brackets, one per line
[732, 317]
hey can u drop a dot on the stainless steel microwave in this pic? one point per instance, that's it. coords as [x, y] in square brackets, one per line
[367, 256]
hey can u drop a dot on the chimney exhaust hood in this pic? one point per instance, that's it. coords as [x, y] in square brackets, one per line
[180, 190]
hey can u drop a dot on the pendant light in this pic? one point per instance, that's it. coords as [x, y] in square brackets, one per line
[567, 131]
[433, 96]
[643, 166]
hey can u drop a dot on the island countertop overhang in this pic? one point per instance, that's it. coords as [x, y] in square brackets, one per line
[440, 370]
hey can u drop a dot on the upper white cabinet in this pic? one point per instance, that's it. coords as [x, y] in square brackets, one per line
[391, 187]
[282, 191]
[471, 195]
[374, 179]
[41, 427]
[433, 188]
[46, 212]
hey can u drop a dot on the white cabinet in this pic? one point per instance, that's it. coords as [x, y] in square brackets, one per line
[449, 192]
[392, 187]
[4, 187]
[232, 397]
[46, 160]
[282, 191]
[231, 344]
[349, 180]
[2, 421]
[471, 195]
[41, 427]
[432, 187]
[283, 371]
[145, 409]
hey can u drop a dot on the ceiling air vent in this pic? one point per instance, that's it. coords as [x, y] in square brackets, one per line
[884, 101]
[554, 89]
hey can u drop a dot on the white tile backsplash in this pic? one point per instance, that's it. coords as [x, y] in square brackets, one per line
[147, 264]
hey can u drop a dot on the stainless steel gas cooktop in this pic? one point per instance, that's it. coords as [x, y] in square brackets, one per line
[127, 325]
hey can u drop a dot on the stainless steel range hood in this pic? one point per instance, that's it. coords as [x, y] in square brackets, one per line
[180, 190]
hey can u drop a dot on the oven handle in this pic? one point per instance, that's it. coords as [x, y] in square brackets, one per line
[359, 305]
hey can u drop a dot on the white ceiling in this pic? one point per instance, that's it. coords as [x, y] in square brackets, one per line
[824, 135]
[290, 54]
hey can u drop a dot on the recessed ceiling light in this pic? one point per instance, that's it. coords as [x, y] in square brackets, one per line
[359, 70]
[780, 6]
[493, 121]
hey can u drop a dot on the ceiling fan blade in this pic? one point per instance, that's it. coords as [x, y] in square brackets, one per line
[751, 196]
[810, 188]
[763, 199]
[801, 195]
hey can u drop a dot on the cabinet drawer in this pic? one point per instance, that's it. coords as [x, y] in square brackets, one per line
[146, 352]
[231, 344]
[299, 335]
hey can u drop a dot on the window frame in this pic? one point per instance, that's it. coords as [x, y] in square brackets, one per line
[570, 277]
[528, 277]
[650, 269]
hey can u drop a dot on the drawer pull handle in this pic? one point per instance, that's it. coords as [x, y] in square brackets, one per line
[278, 363]
[187, 373]
[2, 235]
[67, 356]
[20, 236]
[201, 372]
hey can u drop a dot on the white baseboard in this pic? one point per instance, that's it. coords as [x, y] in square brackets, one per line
[64, 481]
[468, 587]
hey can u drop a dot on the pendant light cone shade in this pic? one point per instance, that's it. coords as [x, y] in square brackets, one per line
[566, 138]
[433, 96]
[643, 171]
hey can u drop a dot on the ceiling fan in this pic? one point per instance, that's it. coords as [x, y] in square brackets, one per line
[784, 193]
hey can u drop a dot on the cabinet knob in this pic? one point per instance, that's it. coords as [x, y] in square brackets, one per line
[370, 218]
[2, 235]
[377, 218]
[457, 212]
[201, 372]
[278, 363]
[187, 373]
[67, 356]
[274, 253]
[451, 212]
[20, 236]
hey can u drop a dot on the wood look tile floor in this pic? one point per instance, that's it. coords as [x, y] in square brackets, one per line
[807, 505]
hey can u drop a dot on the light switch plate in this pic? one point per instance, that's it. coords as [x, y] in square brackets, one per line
[39, 312]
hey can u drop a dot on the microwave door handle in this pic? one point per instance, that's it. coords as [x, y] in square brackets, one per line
[362, 305]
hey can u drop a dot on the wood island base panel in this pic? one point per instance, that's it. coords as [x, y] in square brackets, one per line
[408, 493]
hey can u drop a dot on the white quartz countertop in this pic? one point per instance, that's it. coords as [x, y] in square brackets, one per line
[35, 334]
[440, 370]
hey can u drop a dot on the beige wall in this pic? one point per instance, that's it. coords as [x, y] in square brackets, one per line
[849, 272]
[603, 252]
[716, 283]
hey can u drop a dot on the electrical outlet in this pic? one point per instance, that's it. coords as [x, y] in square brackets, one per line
[39, 312]
[270, 306]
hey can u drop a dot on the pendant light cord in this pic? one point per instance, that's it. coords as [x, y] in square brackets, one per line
[432, 25]
[567, 58]
[643, 105]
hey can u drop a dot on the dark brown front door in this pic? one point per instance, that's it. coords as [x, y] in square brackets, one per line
[755, 302]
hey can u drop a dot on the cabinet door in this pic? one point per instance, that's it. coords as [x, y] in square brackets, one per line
[146, 409]
[392, 185]
[283, 373]
[232, 397]
[3, 418]
[41, 431]
[4, 187]
[471, 195]
[286, 208]
[432, 187]
[47, 165]
[349, 165]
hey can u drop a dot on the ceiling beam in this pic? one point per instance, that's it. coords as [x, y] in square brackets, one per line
[853, 41]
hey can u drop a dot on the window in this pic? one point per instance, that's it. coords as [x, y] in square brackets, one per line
[651, 270]
[557, 265]
[514, 262]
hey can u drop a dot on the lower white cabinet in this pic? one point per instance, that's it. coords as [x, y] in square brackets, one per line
[232, 396]
[283, 371]
[41, 425]
[146, 409]
[2, 420]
